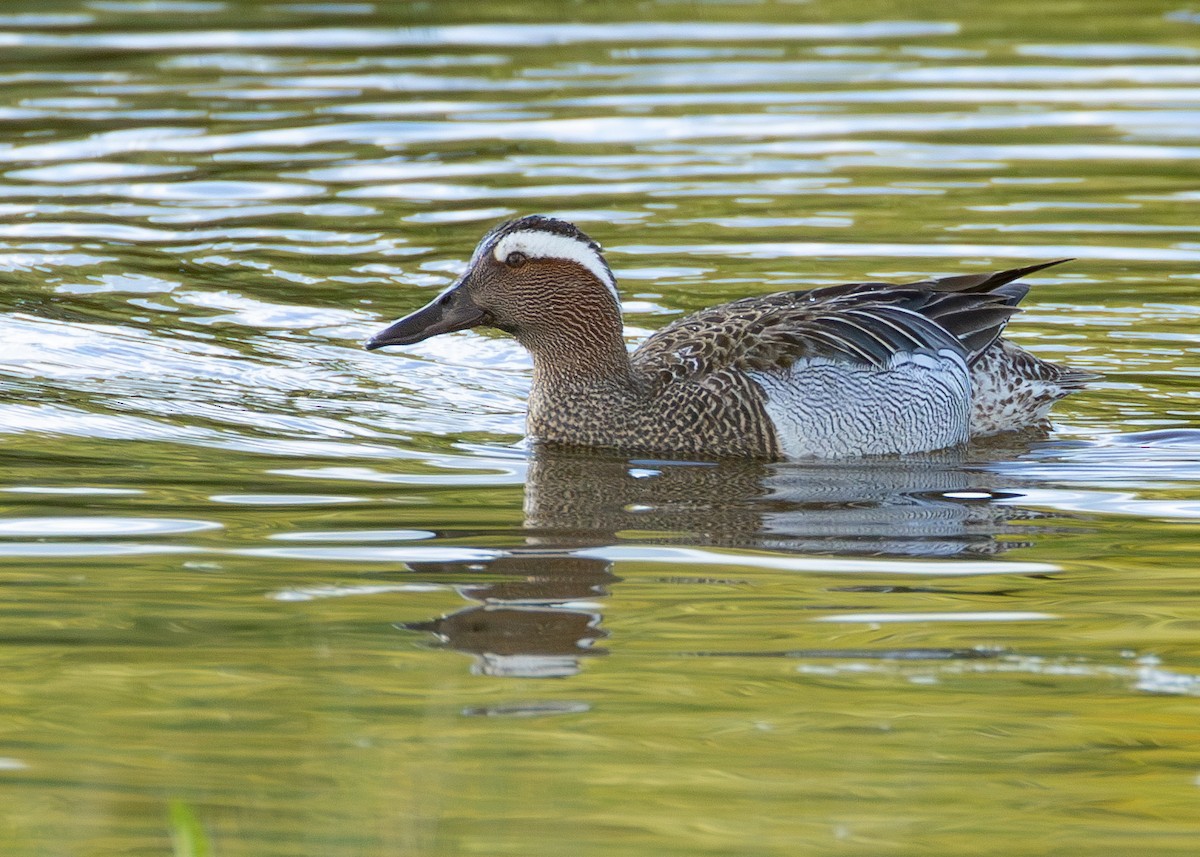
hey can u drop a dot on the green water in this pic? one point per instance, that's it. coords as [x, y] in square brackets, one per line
[265, 593]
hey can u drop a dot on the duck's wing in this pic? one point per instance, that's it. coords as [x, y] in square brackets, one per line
[867, 324]
[973, 307]
[770, 333]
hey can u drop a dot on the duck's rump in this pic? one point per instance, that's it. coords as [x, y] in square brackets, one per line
[1012, 389]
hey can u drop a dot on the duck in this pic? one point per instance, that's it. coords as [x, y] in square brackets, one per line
[842, 371]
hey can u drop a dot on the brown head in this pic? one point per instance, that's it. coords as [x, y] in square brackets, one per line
[540, 279]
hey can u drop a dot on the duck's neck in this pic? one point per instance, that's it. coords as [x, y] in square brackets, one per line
[581, 379]
[573, 360]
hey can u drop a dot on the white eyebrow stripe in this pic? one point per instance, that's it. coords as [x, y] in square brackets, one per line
[537, 244]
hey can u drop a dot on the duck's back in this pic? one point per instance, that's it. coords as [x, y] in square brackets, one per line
[864, 368]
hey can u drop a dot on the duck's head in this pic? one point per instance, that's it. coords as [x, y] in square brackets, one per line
[533, 277]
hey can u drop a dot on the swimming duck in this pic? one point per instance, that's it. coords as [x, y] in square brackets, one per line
[829, 372]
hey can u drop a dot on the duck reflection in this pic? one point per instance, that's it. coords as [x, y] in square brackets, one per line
[536, 620]
[929, 506]
[536, 612]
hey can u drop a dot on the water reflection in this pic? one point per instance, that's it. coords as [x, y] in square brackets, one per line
[921, 506]
[535, 610]
[528, 622]
[206, 206]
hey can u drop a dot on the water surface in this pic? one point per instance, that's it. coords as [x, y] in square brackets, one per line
[324, 602]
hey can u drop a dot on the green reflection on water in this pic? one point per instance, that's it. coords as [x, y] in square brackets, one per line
[266, 594]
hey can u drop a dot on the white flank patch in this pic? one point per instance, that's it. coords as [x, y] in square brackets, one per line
[824, 408]
[546, 245]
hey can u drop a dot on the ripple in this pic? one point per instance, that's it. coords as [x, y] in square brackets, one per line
[469, 215]
[31, 261]
[284, 499]
[804, 249]
[81, 490]
[100, 526]
[46, 19]
[589, 131]
[412, 108]
[533, 708]
[1110, 51]
[832, 565]
[505, 473]
[93, 171]
[515, 35]
[918, 95]
[1124, 504]
[68, 550]
[218, 190]
[893, 153]
[1078, 228]
[966, 616]
[1187, 438]
[1146, 675]
[377, 554]
[140, 284]
[338, 8]
[165, 7]
[214, 239]
[356, 536]
[314, 593]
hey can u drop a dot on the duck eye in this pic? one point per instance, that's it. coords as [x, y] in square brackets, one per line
[516, 259]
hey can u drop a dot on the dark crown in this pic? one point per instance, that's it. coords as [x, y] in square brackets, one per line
[540, 223]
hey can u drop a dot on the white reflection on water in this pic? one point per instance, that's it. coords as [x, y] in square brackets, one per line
[525, 35]
[832, 565]
[84, 550]
[313, 593]
[376, 554]
[587, 131]
[100, 526]
[802, 249]
[965, 616]
[1145, 675]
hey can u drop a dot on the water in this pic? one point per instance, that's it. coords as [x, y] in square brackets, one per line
[267, 590]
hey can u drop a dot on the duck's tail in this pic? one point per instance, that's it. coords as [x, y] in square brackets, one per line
[1012, 389]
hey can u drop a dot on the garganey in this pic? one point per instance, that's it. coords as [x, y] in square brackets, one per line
[829, 372]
